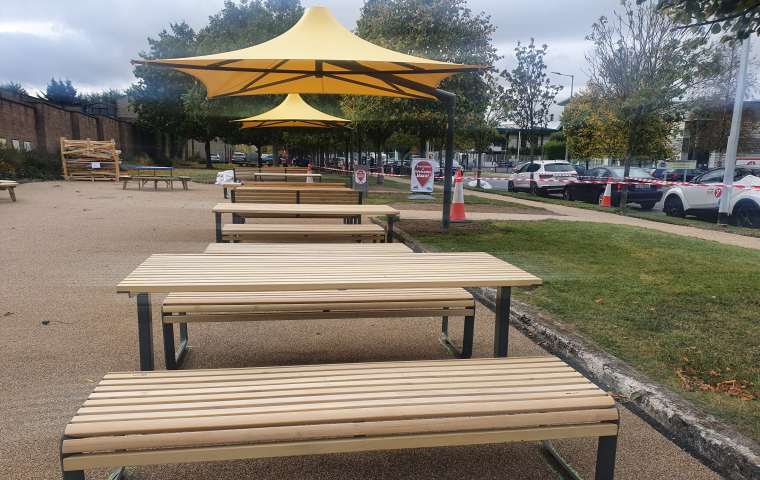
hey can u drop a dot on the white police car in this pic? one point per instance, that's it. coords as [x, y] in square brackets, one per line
[701, 198]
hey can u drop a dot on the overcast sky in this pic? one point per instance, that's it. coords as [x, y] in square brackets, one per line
[91, 42]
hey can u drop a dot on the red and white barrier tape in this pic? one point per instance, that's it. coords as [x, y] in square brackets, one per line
[573, 179]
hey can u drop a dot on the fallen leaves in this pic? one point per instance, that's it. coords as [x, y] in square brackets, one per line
[735, 388]
[599, 301]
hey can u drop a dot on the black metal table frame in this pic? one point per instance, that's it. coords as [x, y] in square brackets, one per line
[145, 329]
[347, 219]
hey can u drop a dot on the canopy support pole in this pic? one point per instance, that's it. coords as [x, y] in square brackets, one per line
[449, 102]
[351, 154]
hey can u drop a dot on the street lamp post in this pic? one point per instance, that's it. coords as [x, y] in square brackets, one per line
[572, 80]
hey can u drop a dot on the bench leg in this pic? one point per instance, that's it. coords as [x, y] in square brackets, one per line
[605, 458]
[390, 229]
[218, 227]
[467, 339]
[225, 192]
[184, 185]
[501, 332]
[173, 359]
[145, 331]
[125, 184]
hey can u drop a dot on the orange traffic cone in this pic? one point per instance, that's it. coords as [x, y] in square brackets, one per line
[457, 205]
[309, 179]
[607, 198]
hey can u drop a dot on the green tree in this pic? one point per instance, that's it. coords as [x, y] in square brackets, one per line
[107, 96]
[60, 91]
[443, 30]
[737, 19]
[640, 64]
[554, 149]
[13, 87]
[530, 94]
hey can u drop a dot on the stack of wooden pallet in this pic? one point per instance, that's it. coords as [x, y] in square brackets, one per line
[89, 160]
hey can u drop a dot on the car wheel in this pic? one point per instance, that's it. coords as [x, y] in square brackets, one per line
[510, 186]
[567, 194]
[647, 205]
[601, 197]
[673, 206]
[534, 189]
[747, 215]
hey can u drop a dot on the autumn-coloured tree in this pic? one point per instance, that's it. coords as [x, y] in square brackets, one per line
[530, 93]
[640, 65]
[592, 130]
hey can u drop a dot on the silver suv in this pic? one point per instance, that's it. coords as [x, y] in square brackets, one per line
[533, 177]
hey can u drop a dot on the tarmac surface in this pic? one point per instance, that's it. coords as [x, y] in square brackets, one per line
[67, 244]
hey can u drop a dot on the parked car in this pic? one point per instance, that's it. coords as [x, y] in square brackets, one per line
[216, 158]
[532, 177]
[267, 159]
[580, 170]
[399, 167]
[238, 158]
[702, 200]
[438, 170]
[641, 191]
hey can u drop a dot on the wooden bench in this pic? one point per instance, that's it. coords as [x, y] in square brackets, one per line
[184, 308]
[320, 233]
[10, 186]
[312, 249]
[281, 185]
[142, 180]
[153, 418]
[248, 173]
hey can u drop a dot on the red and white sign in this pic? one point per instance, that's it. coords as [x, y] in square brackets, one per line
[748, 162]
[422, 175]
[360, 176]
[718, 192]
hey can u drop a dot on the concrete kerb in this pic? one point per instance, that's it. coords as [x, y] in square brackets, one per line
[733, 453]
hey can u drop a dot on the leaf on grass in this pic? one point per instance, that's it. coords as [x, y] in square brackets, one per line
[693, 348]
[599, 301]
[652, 309]
[713, 373]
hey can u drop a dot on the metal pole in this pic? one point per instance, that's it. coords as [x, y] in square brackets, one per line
[449, 102]
[733, 139]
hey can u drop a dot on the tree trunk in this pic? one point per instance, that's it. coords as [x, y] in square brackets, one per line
[627, 169]
[275, 154]
[478, 174]
[207, 146]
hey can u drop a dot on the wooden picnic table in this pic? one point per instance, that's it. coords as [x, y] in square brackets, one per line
[275, 210]
[261, 176]
[294, 272]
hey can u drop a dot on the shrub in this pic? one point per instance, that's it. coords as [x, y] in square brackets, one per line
[16, 165]
[553, 150]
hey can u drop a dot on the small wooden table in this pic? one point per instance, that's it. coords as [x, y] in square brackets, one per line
[277, 210]
[295, 272]
[258, 177]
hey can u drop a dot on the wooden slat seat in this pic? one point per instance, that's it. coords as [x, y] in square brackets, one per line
[10, 186]
[310, 233]
[151, 418]
[311, 249]
[190, 307]
[280, 185]
[248, 173]
[308, 196]
[143, 179]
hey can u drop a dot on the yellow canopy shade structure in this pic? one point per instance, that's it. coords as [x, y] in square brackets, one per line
[293, 112]
[317, 55]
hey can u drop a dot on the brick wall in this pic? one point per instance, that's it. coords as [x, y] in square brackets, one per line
[17, 123]
[83, 127]
[108, 129]
[52, 124]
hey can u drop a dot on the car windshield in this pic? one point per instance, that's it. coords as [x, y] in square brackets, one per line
[635, 172]
[558, 167]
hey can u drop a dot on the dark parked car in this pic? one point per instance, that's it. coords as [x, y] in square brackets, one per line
[579, 169]
[676, 175]
[641, 192]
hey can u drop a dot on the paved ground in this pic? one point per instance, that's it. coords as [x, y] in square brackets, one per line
[562, 212]
[65, 247]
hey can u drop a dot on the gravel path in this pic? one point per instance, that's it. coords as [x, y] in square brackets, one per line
[562, 212]
[65, 247]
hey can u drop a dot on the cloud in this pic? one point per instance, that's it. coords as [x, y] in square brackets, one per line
[38, 29]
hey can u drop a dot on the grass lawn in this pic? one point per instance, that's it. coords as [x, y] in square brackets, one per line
[689, 222]
[683, 311]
